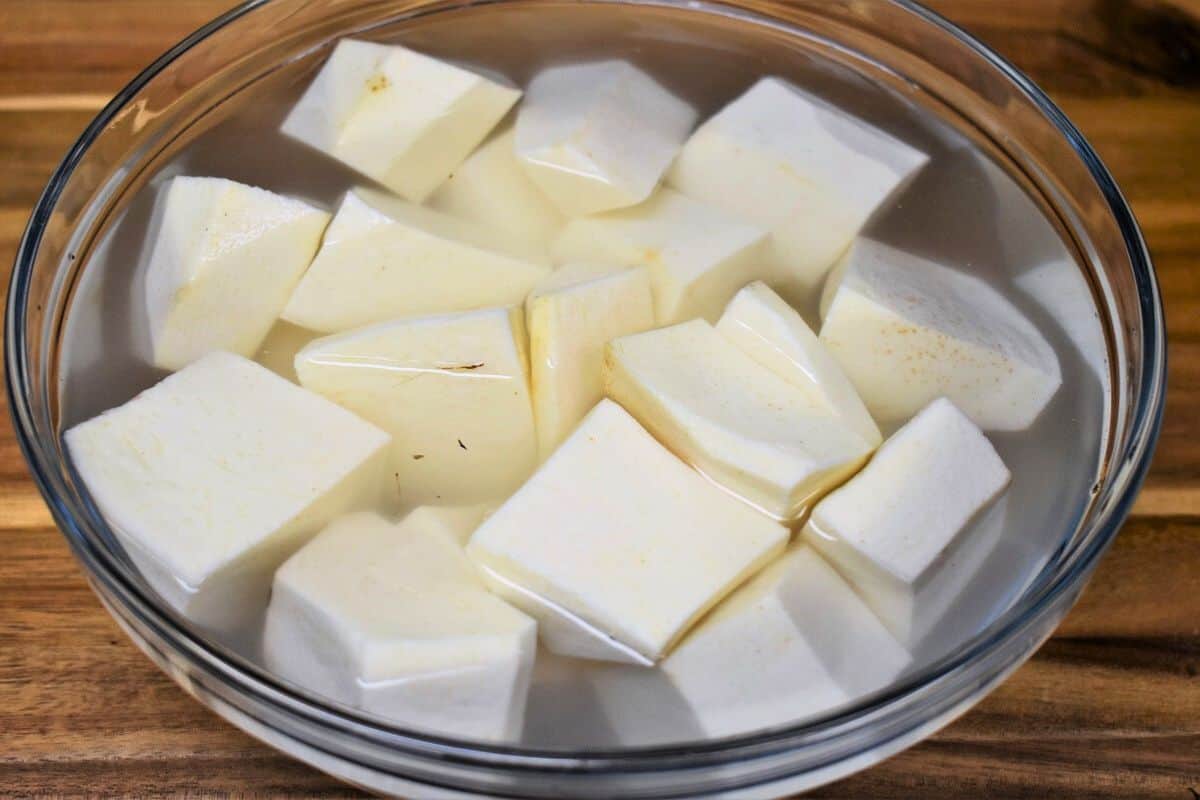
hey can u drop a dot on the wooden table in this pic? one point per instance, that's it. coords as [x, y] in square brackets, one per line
[1110, 707]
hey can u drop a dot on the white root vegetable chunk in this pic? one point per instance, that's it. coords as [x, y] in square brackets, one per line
[616, 546]
[763, 326]
[383, 258]
[792, 642]
[907, 330]
[893, 526]
[698, 257]
[791, 162]
[399, 117]
[213, 477]
[392, 618]
[599, 136]
[223, 263]
[492, 189]
[571, 315]
[456, 522]
[736, 421]
[1060, 288]
[453, 390]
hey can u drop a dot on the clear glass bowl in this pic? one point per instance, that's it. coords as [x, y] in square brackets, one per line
[894, 43]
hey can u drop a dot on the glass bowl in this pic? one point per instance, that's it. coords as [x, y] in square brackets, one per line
[890, 43]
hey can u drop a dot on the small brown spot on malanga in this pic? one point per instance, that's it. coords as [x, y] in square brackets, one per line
[378, 83]
[651, 255]
[460, 444]
[462, 367]
[418, 456]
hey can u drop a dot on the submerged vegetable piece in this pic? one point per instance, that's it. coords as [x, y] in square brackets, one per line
[893, 526]
[453, 391]
[1060, 288]
[278, 351]
[736, 421]
[384, 258]
[599, 136]
[391, 618]
[763, 326]
[456, 522]
[698, 257]
[616, 546]
[214, 476]
[907, 330]
[492, 189]
[793, 642]
[399, 117]
[224, 260]
[572, 314]
[628, 704]
[790, 162]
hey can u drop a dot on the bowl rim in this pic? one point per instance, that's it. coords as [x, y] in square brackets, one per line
[1113, 504]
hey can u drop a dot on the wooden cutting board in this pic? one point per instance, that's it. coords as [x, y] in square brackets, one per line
[1110, 707]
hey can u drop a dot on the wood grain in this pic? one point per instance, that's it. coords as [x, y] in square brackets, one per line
[56, 47]
[1110, 707]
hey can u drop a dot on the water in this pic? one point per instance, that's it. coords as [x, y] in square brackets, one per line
[962, 210]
